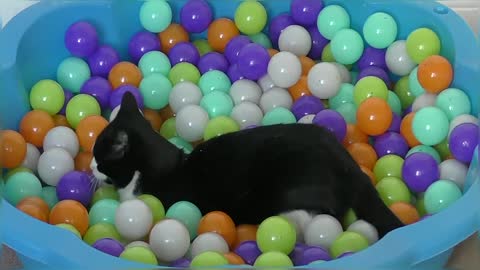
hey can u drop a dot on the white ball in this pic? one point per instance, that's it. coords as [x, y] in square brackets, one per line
[322, 231]
[266, 82]
[307, 119]
[366, 229]
[247, 114]
[133, 219]
[62, 137]
[344, 73]
[285, 69]
[462, 119]
[295, 39]
[454, 170]
[424, 100]
[275, 97]
[209, 241]
[324, 80]
[245, 90]
[31, 158]
[53, 164]
[191, 122]
[169, 240]
[398, 60]
[184, 93]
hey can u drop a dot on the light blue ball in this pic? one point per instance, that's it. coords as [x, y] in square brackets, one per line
[430, 126]
[262, 39]
[103, 211]
[72, 73]
[394, 101]
[425, 149]
[440, 195]
[214, 80]
[22, 185]
[415, 87]
[154, 62]
[347, 46]
[155, 15]
[344, 95]
[49, 195]
[278, 115]
[332, 19]
[188, 214]
[217, 103]
[380, 30]
[453, 102]
[349, 112]
[155, 90]
[182, 144]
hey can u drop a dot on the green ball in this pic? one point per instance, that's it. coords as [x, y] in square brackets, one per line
[250, 17]
[276, 234]
[348, 242]
[155, 205]
[99, 231]
[168, 129]
[72, 73]
[48, 96]
[415, 87]
[332, 19]
[22, 185]
[155, 16]
[154, 62]
[103, 211]
[209, 258]
[16, 170]
[422, 43]
[182, 72]
[279, 115]
[80, 107]
[344, 95]
[380, 30]
[273, 259]
[49, 195]
[420, 205]
[394, 103]
[392, 190]
[327, 54]
[217, 103]
[349, 112]
[349, 218]
[214, 80]
[425, 149]
[453, 102]
[347, 46]
[262, 39]
[402, 89]
[188, 214]
[155, 90]
[430, 126]
[202, 46]
[440, 195]
[368, 87]
[219, 126]
[139, 254]
[388, 166]
[181, 144]
[70, 228]
[105, 192]
[443, 149]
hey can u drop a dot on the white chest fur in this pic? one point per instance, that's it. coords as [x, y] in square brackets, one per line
[128, 192]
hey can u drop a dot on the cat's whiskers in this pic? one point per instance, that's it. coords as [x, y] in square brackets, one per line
[94, 183]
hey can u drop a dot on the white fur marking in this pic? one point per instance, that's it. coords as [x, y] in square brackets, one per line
[115, 111]
[128, 192]
[300, 219]
[100, 176]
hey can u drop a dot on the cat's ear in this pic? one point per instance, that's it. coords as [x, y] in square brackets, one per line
[120, 146]
[129, 103]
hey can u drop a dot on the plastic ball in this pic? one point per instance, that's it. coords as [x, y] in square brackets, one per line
[333, 121]
[389, 165]
[109, 246]
[250, 17]
[344, 95]
[184, 71]
[213, 61]
[138, 244]
[397, 59]
[99, 88]
[245, 90]
[35, 207]
[347, 46]
[169, 240]
[34, 126]
[155, 16]
[213, 81]
[209, 241]
[196, 16]
[154, 62]
[425, 149]
[220, 32]
[374, 72]
[277, 25]
[276, 234]
[392, 190]
[275, 97]
[248, 251]
[391, 143]
[454, 170]
[180, 263]
[140, 254]
[374, 116]
[419, 171]
[124, 73]
[168, 129]
[261, 39]
[217, 103]
[322, 231]
[173, 34]
[53, 164]
[380, 30]
[81, 39]
[404, 93]
[462, 119]
[247, 114]
[188, 214]
[102, 61]
[266, 82]
[463, 141]
[300, 89]
[273, 259]
[234, 73]
[31, 158]
[284, 69]
[372, 57]
[181, 144]
[49, 195]
[88, 130]
[184, 52]
[312, 254]
[278, 115]
[209, 258]
[76, 186]
[47, 95]
[348, 242]
[344, 72]
[117, 95]
[234, 46]
[422, 43]
[100, 231]
[22, 185]
[332, 19]
[220, 223]
[141, 43]
[191, 122]
[69, 228]
[183, 94]
[366, 229]
[395, 104]
[369, 87]
[253, 61]
[307, 105]
[72, 73]
[324, 80]
[133, 219]
[305, 12]
[103, 211]
[424, 100]
[295, 39]
[105, 192]
[70, 212]
[62, 137]
[430, 125]
[363, 153]
[440, 195]
[80, 107]
[454, 102]
[155, 90]
[13, 149]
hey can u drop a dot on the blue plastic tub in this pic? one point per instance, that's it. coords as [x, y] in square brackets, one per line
[31, 47]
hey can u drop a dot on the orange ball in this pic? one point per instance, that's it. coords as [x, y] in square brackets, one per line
[33, 210]
[70, 212]
[435, 74]
[219, 222]
[61, 121]
[406, 129]
[220, 32]
[35, 125]
[300, 89]
[374, 116]
[272, 51]
[234, 259]
[82, 161]
[175, 33]
[125, 73]
[354, 135]
[307, 64]
[245, 232]
[166, 113]
[36, 201]
[364, 154]
[154, 118]
[370, 174]
[13, 149]
[88, 130]
[406, 212]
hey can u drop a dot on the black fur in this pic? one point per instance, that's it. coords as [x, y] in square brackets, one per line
[251, 174]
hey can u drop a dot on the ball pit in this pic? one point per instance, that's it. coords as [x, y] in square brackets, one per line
[347, 102]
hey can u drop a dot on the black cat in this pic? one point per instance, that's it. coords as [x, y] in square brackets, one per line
[251, 174]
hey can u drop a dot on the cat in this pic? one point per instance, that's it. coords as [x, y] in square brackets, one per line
[294, 170]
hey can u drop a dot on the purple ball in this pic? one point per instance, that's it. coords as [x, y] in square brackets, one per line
[180, 263]
[391, 143]
[109, 246]
[184, 52]
[253, 61]
[305, 12]
[141, 43]
[196, 16]
[117, 96]
[425, 217]
[407, 110]
[376, 72]
[234, 46]
[346, 254]
[333, 121]
[396, 123]
[419, 171]
[100, 88]
[81, 39]
[373, 57]
[307, 105]
[213, 61]
[312, 254]
[297, 253]
[318, 43]
[234, 73]
[463, 141]
[68, 95]
[248, 251]
[102, 61]
[277, 25]
[75, 185]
